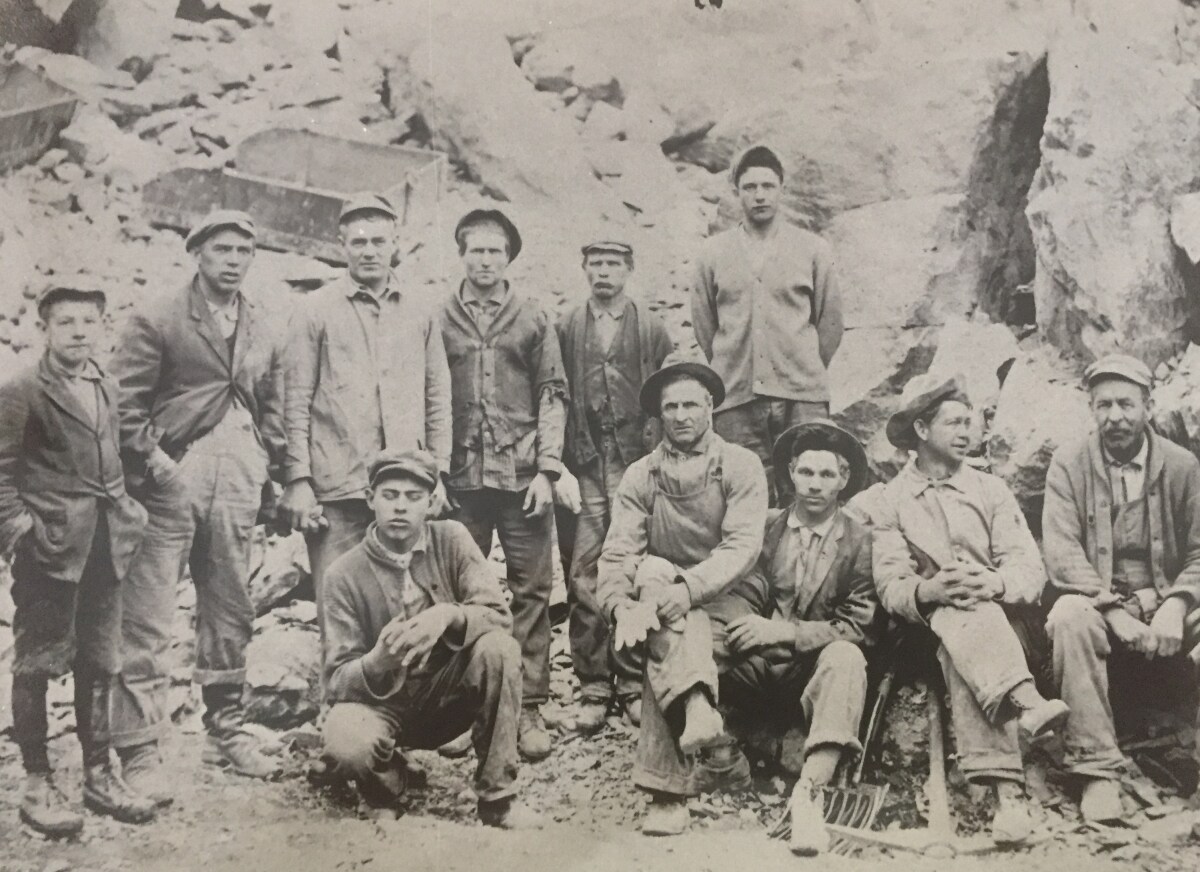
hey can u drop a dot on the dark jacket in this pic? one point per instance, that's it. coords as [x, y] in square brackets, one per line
[178, 378]
[361, 594]
[842, 603]
[1077, 521]
[636, 434]
[59, 471]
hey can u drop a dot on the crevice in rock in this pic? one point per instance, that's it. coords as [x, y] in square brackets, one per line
[998, 192]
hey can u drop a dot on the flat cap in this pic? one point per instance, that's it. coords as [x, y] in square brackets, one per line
[1119, 366]
[918, 395]
[490, 216]
[376, 203]
[607, 244]
[415, 464]
[220, 219]
[55, 293]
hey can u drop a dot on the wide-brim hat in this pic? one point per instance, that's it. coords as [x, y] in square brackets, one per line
[819, 435]
[220, 219]
[677, 366]
[919, 394]
[488, 215]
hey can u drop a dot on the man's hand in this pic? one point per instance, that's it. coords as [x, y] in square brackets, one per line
[161, 467]
[539, 498]
[299, 507]
[674, 602]
[566, 493]
[632, 621]
[1131, 632]
[940, 588]
[409, 643]
[441, 506]
[754, 631]
[1167, 626]
[976, 584]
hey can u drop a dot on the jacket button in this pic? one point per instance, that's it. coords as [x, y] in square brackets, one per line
[1103, 550]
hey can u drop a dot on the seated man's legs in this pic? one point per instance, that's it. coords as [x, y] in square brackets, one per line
[360, 739]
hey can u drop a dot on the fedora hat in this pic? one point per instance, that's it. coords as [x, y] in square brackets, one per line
[919, 394]
[819, 435]
[676, 366]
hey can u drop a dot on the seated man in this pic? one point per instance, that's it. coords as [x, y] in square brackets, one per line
[805, 657]
[952, 549]
[1122, 542]
[418, 646]
[687, 525]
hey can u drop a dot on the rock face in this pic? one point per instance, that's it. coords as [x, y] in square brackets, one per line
[1122, 138]
[1177, 401]
[283, 673]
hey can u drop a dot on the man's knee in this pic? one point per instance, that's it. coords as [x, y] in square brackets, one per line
[1073, 615]
[355, 736]
[654, 572]
[496, 650]
[842, 657]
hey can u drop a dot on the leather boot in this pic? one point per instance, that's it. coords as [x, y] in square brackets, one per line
[105, 793]
[46, 809]
[533, 739]
[228, 743]
[142, 770]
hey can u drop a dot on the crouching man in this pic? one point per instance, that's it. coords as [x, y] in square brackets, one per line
[687, 525]
[71, 531]
[418, 647]
[952, 550]
[1122, 544]
[800, 654]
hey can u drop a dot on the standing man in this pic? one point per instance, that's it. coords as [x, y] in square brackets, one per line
[800, 653]
[687, 526]
[1122, 543]
[201, 398]
[767, 312]
[70, 532]
[508, 394]
[952, 550]
[366, 371]
[611, 345]
[417, 646]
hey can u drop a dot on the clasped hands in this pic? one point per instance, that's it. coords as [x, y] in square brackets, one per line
[961, 585]
[406, 642]
[1162, 637]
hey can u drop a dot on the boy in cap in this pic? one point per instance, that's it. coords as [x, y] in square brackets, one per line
[508, 395]
[69, 531]
[687, 526]
[366, 372]
[417, 646]
[202, 429]
[610, 346]
[1121, 521]
[952, 550]
[767, 312]
[801, 648]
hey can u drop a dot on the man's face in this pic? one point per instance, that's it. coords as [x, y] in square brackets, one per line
[759, 190]
[224, 258]
[686, 412]
[72, 328]
[401, 506]
[948, 436]
[369, 243]
[818, 477]
[1122, 414]
[485, 256]
[607, 273]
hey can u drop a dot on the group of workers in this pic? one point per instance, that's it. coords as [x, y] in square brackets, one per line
[713, 567]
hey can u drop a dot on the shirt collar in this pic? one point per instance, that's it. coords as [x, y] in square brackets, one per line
[701, 447]
[356, 288]
[1137, 463]
[599, 312]
[918, 482]
[90, 371]
[496, 300]
[821, 530]
[386, 555]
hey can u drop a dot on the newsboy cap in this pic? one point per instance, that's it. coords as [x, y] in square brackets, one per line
[1120, 366]
[607, 244]
[415, 463]
[220, 219]
[366, 204]
[56, 293]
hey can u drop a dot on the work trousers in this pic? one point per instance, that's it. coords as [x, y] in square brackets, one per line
[826, 688]
[529, 554]
[60, 627]
[982, 659]
[1085, 653]
[757, 424]
[476, 687]
[596, 665]
[347, 522]
[203, 518]
[681, 656]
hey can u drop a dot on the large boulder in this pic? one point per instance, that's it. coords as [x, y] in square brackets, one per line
[283, 676]
[1121, 140]
[1177, 401]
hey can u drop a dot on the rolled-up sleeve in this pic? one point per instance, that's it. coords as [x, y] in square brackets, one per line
[742, 527]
